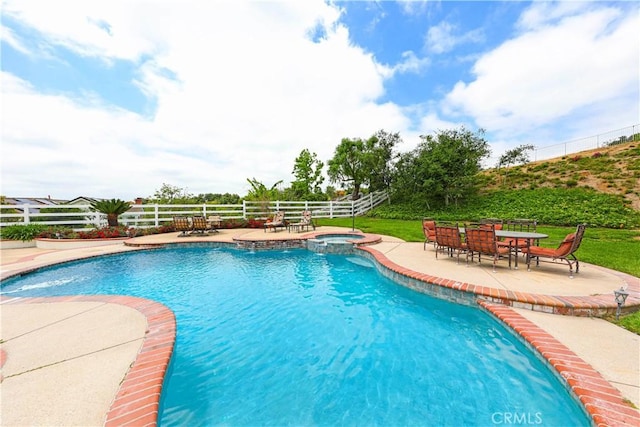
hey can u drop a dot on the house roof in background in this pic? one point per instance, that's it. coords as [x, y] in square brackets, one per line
[80, 200]
[32, 201]
[47, 201]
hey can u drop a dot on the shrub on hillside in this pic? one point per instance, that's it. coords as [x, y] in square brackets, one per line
[562, 206]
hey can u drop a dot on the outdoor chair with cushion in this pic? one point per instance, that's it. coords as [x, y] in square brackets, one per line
[481, 239]
[564, 253]
[183, 225]
[495, 222]
[200, 225]
[275, 222]
[429, 230]
[528, 225]
[448, 239]
[305, 222]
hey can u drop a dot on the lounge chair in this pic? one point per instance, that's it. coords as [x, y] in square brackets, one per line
[305, 222]
[275, 222]
[448, 239]
[199, 225]
[429, 230]
[182, 224]
[481, 239]
[565, 252]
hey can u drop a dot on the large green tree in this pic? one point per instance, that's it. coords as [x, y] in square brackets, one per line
[442, 169]
[364, 162]
[171, 194]
[380, 149]
[307, 171]
[218, 198]
[347, 164]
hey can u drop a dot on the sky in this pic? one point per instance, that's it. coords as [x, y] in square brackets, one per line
[113, 99]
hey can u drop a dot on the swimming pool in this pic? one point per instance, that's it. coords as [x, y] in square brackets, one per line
[306, 338]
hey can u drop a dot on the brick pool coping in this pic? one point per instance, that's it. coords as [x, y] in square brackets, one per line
[138, 399]
[605, 404]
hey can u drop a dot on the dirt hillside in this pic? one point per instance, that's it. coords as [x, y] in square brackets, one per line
[614, 170]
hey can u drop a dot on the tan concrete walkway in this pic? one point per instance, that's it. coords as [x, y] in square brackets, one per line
[94, 333]
[65, 361]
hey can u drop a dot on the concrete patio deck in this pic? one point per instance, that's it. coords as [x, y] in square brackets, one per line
[134, 335]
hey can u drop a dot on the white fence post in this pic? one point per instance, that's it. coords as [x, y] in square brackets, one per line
[156, 215]
[25, 211]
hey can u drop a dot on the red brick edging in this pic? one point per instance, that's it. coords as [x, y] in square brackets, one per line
[138, 399]
[605, 404]
[592, 305]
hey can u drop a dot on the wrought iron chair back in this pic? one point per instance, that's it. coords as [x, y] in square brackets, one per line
[529, 225]
[481, 239]
[448, 239]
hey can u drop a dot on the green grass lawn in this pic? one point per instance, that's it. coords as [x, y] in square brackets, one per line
[610, 248]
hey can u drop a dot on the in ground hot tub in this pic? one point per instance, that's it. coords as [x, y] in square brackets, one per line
[335, 243]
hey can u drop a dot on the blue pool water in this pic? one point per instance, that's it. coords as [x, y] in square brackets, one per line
[299, 338]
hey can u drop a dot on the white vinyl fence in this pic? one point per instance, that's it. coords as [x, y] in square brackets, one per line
[155, 215]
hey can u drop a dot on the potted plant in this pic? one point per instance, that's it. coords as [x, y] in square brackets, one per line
[112, 208]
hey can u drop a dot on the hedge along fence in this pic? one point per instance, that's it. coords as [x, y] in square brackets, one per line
[156, 215]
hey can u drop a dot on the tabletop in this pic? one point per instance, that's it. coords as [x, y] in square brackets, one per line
[516, 234]
[520, 234]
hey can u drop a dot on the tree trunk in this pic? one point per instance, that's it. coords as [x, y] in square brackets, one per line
[112, 220]
[356, 192]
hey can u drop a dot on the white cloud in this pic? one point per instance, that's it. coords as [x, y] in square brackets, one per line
[410, 64]
[583, 64]
[546, 12]
[8, 37]
[443, 38]
[251, 90]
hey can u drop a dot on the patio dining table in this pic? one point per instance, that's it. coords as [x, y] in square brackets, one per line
[520, 236]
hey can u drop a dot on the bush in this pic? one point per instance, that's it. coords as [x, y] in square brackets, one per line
[69, 233]
[23, 232]
[563, 207]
